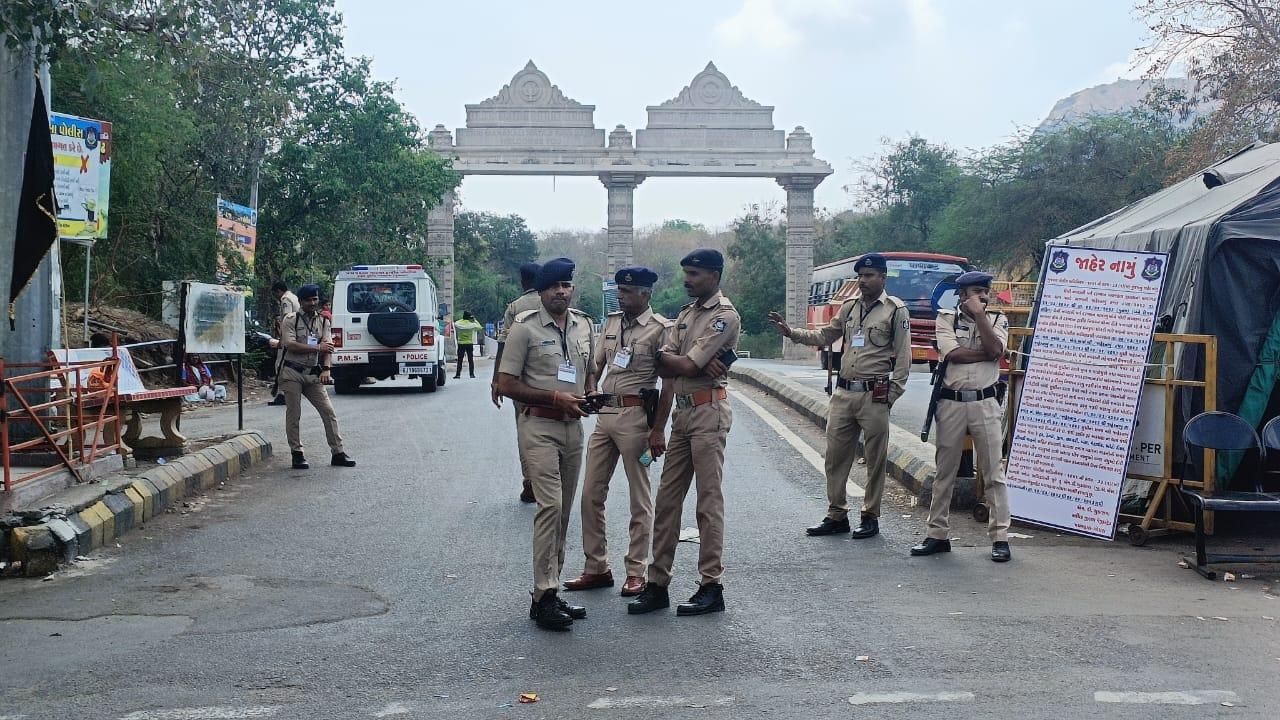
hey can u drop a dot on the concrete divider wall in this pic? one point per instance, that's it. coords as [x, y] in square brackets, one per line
[910, 461]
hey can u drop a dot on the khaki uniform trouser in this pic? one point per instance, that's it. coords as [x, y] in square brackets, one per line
[850, 414]
[623, 433]
[981, 420]
[696, 448]
[553, 455]
[524, 468]
[295, 386]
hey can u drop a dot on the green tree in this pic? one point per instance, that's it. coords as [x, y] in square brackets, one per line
[488, 252]
[913, 181]
[756, 273]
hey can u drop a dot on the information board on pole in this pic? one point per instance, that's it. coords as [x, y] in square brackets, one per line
[1083, 382]
[213, 319]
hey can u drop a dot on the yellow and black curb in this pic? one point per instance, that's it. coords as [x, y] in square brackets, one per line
[89, 517]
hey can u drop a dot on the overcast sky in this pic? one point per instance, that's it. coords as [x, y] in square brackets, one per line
[964, 72]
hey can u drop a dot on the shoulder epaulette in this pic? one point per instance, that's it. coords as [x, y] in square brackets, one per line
[576, 311]
[895, 301]
[526, 315]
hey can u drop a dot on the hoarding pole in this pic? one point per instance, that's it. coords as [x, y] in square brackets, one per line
[88, 260]
[239, 392]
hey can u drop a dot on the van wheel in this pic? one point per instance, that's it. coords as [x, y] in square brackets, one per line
[441, 374]
[428, 383]
[345, 386]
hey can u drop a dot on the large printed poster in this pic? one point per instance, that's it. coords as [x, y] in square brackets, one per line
[1084, 379]
[81, 175]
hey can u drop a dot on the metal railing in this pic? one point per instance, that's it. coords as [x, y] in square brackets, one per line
[63, 410]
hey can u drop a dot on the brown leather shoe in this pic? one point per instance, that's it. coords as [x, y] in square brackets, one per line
[632, 586]
[590, 581]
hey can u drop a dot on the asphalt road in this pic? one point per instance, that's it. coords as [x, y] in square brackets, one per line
[908, 411]
[399, 589]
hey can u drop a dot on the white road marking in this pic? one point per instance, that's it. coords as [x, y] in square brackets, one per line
[909, 697]
[1187, 697]
[806, 452]
[643, 701]
[395, 708]
[205, 713]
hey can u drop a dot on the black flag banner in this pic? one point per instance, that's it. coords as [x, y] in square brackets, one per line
[37, 208]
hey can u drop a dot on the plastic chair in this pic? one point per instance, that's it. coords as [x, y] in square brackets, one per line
[1223, 431]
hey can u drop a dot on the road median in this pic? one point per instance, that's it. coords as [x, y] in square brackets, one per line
[910, 461]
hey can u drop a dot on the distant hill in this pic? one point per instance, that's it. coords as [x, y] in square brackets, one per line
[1117, 97]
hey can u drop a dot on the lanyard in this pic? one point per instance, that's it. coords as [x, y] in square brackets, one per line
[564, 341]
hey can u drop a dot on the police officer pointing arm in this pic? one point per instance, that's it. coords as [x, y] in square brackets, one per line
[876, 328]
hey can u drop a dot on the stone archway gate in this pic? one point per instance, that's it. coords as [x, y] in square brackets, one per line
[710, 129]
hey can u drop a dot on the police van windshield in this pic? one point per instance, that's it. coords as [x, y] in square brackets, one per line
[367, 297]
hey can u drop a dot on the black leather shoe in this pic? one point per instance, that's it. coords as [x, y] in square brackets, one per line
[341, 460]
[278, 401]
[577, 612]
[546, 612]
[829, 527]
[300, 461]
[652, 597]
[1000, 552]
[526, 494]
[708, 599]
[931, 546]
[870, 527]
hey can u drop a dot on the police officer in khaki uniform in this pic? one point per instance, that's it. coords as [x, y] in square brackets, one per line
[971, 342]
[630, 426]
[286, 305]
[547, 368]
[307, 341]
[695, 354]
[530, 300]
[874, 366]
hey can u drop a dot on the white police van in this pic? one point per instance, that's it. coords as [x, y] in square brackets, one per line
[384, 326]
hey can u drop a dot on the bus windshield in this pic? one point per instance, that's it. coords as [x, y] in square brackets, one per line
[913, 281]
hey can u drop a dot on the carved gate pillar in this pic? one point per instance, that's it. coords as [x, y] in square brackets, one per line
[621, 188]
[800, 236]
[440, 253]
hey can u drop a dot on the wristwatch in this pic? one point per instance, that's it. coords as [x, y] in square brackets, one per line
[657, 356]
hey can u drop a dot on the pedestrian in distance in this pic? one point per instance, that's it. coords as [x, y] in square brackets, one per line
[286, 304]
[697, 354]
[467, 329]
[630, 427]
[876, 328]
[528, 300]
[307, 343]
[546, 367]
[966, 401]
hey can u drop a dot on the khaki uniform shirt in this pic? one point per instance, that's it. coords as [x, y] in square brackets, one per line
[298, 327]
[536, 348]
[702, 332]
[288, 305]
[886, 340]
[530, 300]
[643, 335]
[954, 330]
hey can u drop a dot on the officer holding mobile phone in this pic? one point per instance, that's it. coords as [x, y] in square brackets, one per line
[876, 328]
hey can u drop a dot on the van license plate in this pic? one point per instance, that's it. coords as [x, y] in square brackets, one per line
[416, 369]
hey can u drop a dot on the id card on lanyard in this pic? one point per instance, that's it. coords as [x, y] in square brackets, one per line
[567, 372]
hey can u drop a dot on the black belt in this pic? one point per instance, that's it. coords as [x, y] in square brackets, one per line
[855, 385]
[967, 395]
[298, 366]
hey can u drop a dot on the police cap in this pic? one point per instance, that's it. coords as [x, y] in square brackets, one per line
[554, 271]
[875, 261]
[974, 278]
[642, 276]
[308, 291]
[704, 259]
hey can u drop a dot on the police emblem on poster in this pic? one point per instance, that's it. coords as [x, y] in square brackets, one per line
[1058, 263]
[1152, 269]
